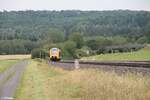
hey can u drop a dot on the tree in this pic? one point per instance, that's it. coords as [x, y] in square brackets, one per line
[54, 35]
[118, 40]
[77, 38]
[38, 53]
[93, 44]
[114, 27]
[143, 39]
[70, 47]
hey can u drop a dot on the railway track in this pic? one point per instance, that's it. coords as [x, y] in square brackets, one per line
[142, 64]
[117, 66]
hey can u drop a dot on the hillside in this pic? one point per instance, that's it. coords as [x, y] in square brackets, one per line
[32, 24]
[23, 31]
[141, 55]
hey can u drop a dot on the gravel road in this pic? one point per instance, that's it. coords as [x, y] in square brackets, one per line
[9, 80]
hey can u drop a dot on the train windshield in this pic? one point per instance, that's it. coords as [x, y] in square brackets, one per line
[54, 49]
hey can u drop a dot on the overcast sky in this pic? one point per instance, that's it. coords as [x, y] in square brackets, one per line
[74, 5]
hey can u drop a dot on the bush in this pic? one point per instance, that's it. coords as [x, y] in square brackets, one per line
[39, 53]
[80, 53]
[70, 47]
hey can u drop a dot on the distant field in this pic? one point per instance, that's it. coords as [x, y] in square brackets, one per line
[14, 57]
[143, 55]
[42, 82]
[5, 64]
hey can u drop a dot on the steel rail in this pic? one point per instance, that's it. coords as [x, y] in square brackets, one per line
[142, 64]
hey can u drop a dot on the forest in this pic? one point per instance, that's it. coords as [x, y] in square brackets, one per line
[77, 33]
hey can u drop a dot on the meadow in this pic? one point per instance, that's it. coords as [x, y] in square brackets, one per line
[141, 55]
[43, 82]
[14, 57]
[7, 61]
[5, 64]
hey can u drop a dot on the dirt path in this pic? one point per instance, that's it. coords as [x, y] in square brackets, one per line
[9, 80]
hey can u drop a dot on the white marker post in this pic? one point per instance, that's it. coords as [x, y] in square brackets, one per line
[76, 64]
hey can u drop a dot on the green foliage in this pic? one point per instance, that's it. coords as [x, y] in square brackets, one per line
[16, 46]
[38, 53]
[98, 42]
[93, 44]
[85, 51]
[118, 40]
[69, 48]
[141, 55]
[55, 35]
[77, 38]
[22, 31]
[34, 25]
[143, 39]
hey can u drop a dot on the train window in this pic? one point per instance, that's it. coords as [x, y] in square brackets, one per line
[54, 49]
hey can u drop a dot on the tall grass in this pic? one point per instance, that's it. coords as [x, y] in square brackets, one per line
[43, 82]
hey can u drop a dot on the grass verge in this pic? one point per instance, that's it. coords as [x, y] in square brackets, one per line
[42, 82]
[141, 55]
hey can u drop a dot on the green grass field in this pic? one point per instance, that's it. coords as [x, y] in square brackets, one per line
[141, 55]
[42, 82]
[5, 64]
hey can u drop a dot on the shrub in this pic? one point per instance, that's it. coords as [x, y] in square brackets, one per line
[39, 53]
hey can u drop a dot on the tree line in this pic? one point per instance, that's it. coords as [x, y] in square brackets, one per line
[23, 31]
[77, 45]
